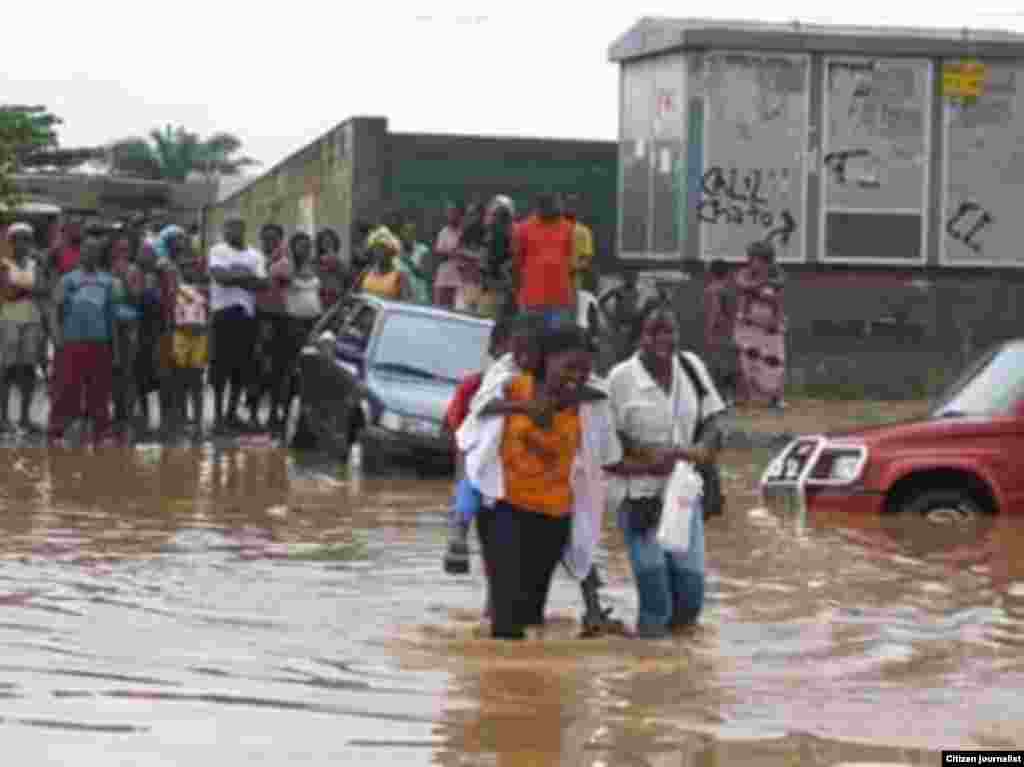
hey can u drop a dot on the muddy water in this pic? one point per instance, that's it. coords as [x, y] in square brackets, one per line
[202, 606]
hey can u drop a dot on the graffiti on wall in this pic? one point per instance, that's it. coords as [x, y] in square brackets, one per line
[985, 172]
[967, 224]
[876, 137]
[736, 198]
[755, 107]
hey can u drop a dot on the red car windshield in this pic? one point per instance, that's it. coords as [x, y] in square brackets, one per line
[991, 386]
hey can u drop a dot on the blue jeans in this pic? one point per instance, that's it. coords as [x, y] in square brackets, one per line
[670, 587]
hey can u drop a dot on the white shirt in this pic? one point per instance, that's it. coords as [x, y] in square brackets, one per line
[224, 256]
[645, 414]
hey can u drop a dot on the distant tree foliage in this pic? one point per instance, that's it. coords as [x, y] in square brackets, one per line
[174, 154]
[24, 131]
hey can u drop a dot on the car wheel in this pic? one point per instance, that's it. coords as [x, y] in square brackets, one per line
[944, 506]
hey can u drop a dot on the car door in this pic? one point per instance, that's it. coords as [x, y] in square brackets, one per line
[1011, 442]
[345, 371]
[314, 361]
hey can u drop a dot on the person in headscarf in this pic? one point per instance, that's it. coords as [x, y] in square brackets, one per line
[497, 298]
[384, 279]
[760, 327]
[21, 324]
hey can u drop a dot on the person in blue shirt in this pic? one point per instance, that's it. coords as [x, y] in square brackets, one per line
[85, 300]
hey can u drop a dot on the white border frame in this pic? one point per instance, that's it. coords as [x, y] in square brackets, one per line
[947, 131]
[924, 211]
[705, 256]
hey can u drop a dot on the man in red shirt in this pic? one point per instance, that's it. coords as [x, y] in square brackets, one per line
[544, 246]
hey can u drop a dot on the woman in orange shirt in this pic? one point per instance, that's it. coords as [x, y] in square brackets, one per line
[527, 530]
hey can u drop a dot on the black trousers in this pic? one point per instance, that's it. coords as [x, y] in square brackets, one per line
[522, 549]
[234, 342]
[272, 353]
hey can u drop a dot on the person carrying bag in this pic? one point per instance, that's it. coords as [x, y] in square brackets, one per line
[660, 412]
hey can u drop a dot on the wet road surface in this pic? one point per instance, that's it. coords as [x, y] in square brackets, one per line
[165, 606]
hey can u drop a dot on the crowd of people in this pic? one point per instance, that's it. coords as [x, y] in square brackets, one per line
[142, 310]
[544, 444]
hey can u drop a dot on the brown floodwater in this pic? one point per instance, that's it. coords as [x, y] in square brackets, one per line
[237, 605]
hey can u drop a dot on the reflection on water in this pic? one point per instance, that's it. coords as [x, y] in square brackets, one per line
[193, 605]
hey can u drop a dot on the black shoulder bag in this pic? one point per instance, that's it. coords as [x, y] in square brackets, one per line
[706, 431]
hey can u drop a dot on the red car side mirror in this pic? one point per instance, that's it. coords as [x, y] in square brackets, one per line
[1018, 409]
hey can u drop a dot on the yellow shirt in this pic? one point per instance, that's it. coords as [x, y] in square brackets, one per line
[23, 310]
[583, 252]
[538, 462]
[388, 286]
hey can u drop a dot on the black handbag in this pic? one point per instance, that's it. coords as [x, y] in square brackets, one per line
[643, 514]
[706, 429]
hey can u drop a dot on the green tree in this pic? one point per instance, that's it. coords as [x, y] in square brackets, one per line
[24, 131]
[173, 154]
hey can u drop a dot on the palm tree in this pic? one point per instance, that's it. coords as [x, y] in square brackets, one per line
[173, 154]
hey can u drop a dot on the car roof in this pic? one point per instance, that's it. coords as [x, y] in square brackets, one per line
[434, 312]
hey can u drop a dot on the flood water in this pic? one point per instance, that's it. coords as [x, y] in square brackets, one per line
[233, 606]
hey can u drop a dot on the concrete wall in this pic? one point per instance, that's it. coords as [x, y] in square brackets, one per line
[360, 172]
[427, 171]
[309, 190]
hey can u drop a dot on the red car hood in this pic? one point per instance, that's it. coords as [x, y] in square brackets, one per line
[927, 430]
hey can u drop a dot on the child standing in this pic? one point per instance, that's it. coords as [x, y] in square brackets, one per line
[467, 499]
[85, 301]
[191, 340]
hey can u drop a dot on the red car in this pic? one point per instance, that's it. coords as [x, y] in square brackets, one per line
[963, 460]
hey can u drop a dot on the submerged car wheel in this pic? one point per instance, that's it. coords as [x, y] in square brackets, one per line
[944, 506]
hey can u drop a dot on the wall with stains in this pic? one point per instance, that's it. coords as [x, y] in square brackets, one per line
[310, 190]
[360, 171]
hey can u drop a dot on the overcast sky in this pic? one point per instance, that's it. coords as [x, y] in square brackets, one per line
[280, 74]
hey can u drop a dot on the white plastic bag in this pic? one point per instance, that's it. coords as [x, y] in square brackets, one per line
[681, 502]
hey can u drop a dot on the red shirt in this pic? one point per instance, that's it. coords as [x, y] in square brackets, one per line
[67, 259]
[458, 408]
[543, 259]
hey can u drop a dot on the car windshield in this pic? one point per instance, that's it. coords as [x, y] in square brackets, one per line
[431, 347]
[991, 386]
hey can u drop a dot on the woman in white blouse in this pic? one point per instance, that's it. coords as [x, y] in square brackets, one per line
[657, 410]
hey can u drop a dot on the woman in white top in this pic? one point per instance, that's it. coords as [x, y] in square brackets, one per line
[303, 306]
[657, 410]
